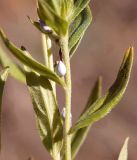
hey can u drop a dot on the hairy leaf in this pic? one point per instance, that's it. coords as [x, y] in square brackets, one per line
[105, 104]
[81, 134]
[46, 110]
[15, 70]
[78, 28]
[124, 151]
[3, 78]
[30, 62]
[79, 6]
[51, 15]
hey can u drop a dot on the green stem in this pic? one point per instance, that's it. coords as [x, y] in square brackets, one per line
[51, 65]
[55, 153]
[67, 137]
[48, 58]
[45, 49]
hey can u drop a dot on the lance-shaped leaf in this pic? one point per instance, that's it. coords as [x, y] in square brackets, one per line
[52, 16]
[36, 24]
[104, 105]
[124, 151]
[78, 28]
[46, 110]
[30, 62]
[79, 6]
[81, 134]
[3, 78]
[15, 70]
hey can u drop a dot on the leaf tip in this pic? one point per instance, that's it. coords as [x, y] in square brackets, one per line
[99, 80]
[130, 52]
[127, 139]
[124, 150]
[1, 32]
[4, 73]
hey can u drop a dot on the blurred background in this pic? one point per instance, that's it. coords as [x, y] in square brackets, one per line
[113, 30]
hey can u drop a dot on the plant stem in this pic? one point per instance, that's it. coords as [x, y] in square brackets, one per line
[67, 137]
[45, 49]
[48, 58]
[55, 154]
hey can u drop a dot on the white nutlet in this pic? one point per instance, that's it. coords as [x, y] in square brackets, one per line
[44, 27]
[47, 28]
[60, 68]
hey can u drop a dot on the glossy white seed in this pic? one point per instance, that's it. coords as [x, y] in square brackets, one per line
[46, 28]
[60, 68]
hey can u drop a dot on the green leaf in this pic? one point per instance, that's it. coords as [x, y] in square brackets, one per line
[124, 151]
[3, 78]
[104, 105]
[80, 135]
[36, 24]
[78, 28]
[30, 62]
[15, 70]
[79, 6]
[46, 110]
[67, 8]
[73, 50]
[52, 17]
[95, 94]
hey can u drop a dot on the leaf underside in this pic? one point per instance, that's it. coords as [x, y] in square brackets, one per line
[15, 70]
[78, 28]
[79, 6]
[47, 113]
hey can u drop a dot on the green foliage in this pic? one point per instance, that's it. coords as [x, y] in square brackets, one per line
[3, 78]
[53, 13]
[67, 21]
[78, 28]
[124, 151]
[79, 6]
[105, 104]
[15, 70]
[80, 135]
[30, 62]
[46, 109]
